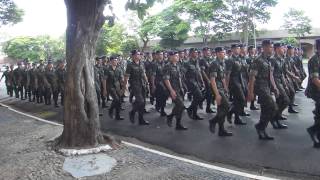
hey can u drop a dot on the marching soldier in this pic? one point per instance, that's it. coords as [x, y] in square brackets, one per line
[291, 78]
[261, 82]
[135, 74]
[313, 92]
[60, 73]
[40, 82]
[236, 83]
[51, 85]
[97, 78]
[278, 73]
[250, 59]
[33, 83]
[114, 77]
[148, 65]
[194, 83]
[172, 78]
[18, 78]
[158, 87]
[5, 75]
[204, 64]
[220, 89]
[26, 80]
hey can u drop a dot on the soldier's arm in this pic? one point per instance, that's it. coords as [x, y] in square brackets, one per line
[252, 79]
[213, 75]
[314, 72]
[166, 80]
[228, 72]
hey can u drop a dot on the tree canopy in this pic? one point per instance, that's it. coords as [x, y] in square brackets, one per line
[9, 13]
[35, 48]
[297, 23]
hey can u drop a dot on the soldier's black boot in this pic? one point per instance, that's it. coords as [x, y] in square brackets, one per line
[110, 111]
[142, 121]
[262, 133]
[208, 109]
[189, 112]
[253, 107]
[179, 126]
[282, 118]
[41, 99]
[291, 110]
[196, 117]
[223, 132]
[243, 113]
[56, 103]
[229, 116]
[162, 112]
[238, 121]
[118, 117]
[280, 125]
[104, 104]
[49, 101]
[169, 119]
[212, 125]
[313, 133]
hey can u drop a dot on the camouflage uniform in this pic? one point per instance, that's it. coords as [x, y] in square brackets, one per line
[114, 77]
[261, 69]
[173, 73]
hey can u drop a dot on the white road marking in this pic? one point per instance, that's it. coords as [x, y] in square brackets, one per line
[209, 166]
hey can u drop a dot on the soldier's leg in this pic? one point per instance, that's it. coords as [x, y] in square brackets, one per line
[222, 111]
[291, 94]
[7, 88]
[16, 92]
[179, 108]
[197, 98]
[139, 105]
[98, 97]
[118, 106]
[268, 109]
[282, 102]
[55, 97]
[113, 103]
[163, 101]
[10, 90]
[239, 102]
[209, 99]
[314, 130]
[21, 92]
[62, 97]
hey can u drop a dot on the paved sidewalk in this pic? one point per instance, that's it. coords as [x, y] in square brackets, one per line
[24, 154]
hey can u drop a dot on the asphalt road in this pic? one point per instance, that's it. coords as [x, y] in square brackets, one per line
[290, 152]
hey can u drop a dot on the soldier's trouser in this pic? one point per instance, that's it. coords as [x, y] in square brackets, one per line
[268, 108]
[197, 99]
[222, 109]
[98, 97]
[291, 92]
[239, 100]
[316, 126]
[209, 97]
[116, 101]
[161, 97]
[20, 90]
[40, 94]
[282, 101]
[10, 90]
[55, 96]
[178, 106]
[47, 96]
[139, 102]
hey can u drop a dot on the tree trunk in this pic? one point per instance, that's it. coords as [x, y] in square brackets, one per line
[145, 44]
[81, 112]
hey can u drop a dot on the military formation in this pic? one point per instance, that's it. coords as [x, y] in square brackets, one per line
[228, 78]
[36, 82]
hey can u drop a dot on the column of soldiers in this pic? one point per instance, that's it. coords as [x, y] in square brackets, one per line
[225, 78]
[36, 82]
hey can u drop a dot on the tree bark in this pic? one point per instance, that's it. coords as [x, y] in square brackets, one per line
[145, 44]
[81, 112]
